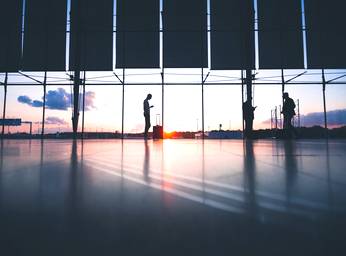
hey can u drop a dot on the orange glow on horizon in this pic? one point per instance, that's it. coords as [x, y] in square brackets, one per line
[168, 135]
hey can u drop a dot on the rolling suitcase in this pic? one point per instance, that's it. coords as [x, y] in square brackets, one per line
[157, 129]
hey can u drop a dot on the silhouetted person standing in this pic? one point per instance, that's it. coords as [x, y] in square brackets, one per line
[248, 115]
[146, 109]
[288, 112]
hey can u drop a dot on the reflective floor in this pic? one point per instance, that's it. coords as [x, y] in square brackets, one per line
[172, 197]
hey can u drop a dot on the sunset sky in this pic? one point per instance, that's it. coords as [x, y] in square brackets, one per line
[182, 102]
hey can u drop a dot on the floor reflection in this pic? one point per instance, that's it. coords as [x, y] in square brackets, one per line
[73, 199]
[204, 195]
[184, 197]
[73, 178]
[290, 168]
[74, 157]
[249, 172]
[329, 180]
[283, 178]
[146, 163]
[1, 155]
[1, 168]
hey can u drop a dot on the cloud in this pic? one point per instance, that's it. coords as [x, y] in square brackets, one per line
[27, 100]
[89, 100]
[334, 118]
[24, 99]
[37, 104]
[55, 120]
[59, 100]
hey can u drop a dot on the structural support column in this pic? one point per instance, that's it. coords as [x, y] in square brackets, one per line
[271, 119]
[249, 85]
[249, 57]
[162, 80]
[4, 108]
[250, 27]
[324, 102]
[123, 105]
[282, 85]
[202, 104]
[203, 82]
[282, 94]
[44, 103]
[83, 104]
[298, 107]
[242, 99]
[76, 78]
[163, 102]
[122, 101]
[75, 115]
[276, 117]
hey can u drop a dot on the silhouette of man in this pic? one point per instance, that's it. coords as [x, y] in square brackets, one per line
[288, 112]
[248, 115]
[146, 109]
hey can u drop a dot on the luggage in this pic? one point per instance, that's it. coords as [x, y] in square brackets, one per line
[158, 129]
[157, 132]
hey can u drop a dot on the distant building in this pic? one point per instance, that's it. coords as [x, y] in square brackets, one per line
[225, 135]
[199, 135]
[220, 135]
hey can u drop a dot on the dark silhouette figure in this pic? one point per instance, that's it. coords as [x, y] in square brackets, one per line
[288, 113]
[248, 115]
[146, 109]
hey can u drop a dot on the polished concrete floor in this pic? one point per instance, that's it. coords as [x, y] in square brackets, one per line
[173, 197]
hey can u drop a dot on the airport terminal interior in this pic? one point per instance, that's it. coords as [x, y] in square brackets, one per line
[238, 181]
